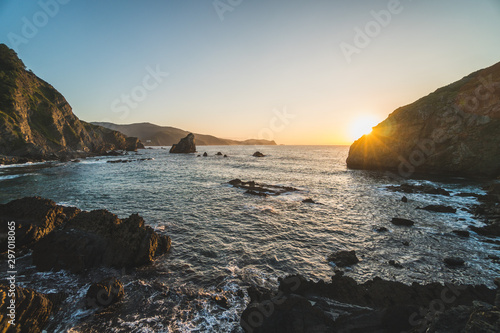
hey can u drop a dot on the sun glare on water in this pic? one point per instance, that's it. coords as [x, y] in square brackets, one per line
[362, 126]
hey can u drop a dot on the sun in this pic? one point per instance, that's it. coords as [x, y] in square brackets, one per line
[362, 126]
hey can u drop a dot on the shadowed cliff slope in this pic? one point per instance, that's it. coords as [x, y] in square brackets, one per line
[154, 135]
[453, 131]
[37, 122]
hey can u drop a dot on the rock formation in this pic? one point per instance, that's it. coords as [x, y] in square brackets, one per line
[453, 131]
[36, 121]
[67, 238]
[185, 146]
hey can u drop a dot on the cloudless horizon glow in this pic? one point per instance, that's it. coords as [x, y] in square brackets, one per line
[269, 69]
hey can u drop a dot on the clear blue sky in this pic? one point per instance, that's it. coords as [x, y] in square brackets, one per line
[229, 77]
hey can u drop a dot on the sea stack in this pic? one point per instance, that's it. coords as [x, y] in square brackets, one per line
[185, 146]
[453, 131]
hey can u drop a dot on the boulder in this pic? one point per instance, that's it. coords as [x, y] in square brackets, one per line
[309, 200]
[219, 154]
[185, 146]
[205, 154]
[404, 199]
[402, 222]
[344, 258]
[454, 262]
[258, 154]
[104, 293]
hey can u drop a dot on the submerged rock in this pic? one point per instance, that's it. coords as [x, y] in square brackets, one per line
[258, 189]
[461, 233]
[344, 258]
[439, 209]
[185, 146]
[427, 189]
[402, 222]
[454, 261]
[218, 154]
[309, 200]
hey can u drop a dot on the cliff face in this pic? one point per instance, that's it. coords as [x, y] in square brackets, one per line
[154, 135]
[453, 131]
[36, 121]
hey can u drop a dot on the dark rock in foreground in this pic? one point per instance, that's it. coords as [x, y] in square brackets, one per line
[32, 310]
[344, 258]
[402, 222]
[185, 146]
[440, 209]
[67, 238]
[343, 305]
[104, 293]
[427, 189]
[254, 188]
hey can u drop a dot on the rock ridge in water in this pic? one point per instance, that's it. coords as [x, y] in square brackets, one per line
[185, 146]
[453, 131]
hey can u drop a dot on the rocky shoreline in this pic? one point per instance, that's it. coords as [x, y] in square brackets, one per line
[66, 238]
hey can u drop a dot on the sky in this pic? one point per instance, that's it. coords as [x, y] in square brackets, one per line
[298, 72]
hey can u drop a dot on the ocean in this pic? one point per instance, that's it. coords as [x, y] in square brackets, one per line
[224, 240]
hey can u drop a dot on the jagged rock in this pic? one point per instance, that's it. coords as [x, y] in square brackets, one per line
[404, 199]
[104, 293]
[402, 222]
[34, 218]
[344, 258]
[439, 133]
[99, 238]
[185, 146]
[205, 154]
[32, 310]
[258, 154]
[440, 209]
[346, 306]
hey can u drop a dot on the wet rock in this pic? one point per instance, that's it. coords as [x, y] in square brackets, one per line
[97, 238]
[258, 154]
[402, 222]
[221, 301]
[344, 258]
[225, 155]
[343, 305]
[254, 188]
[219, 154]
[439, 209]
[427, 189]
[309, 200]
[32, 310]
[454, 261]
[395, 264]
[404, 199]
[490, 230]
[381, 229]
[104, 293]
[461, 233]
[205, 154]
[405, 243]
[34, 218]
[185, 146]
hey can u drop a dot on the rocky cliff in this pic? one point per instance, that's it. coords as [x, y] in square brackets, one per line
[453, 131]
[37, 122]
